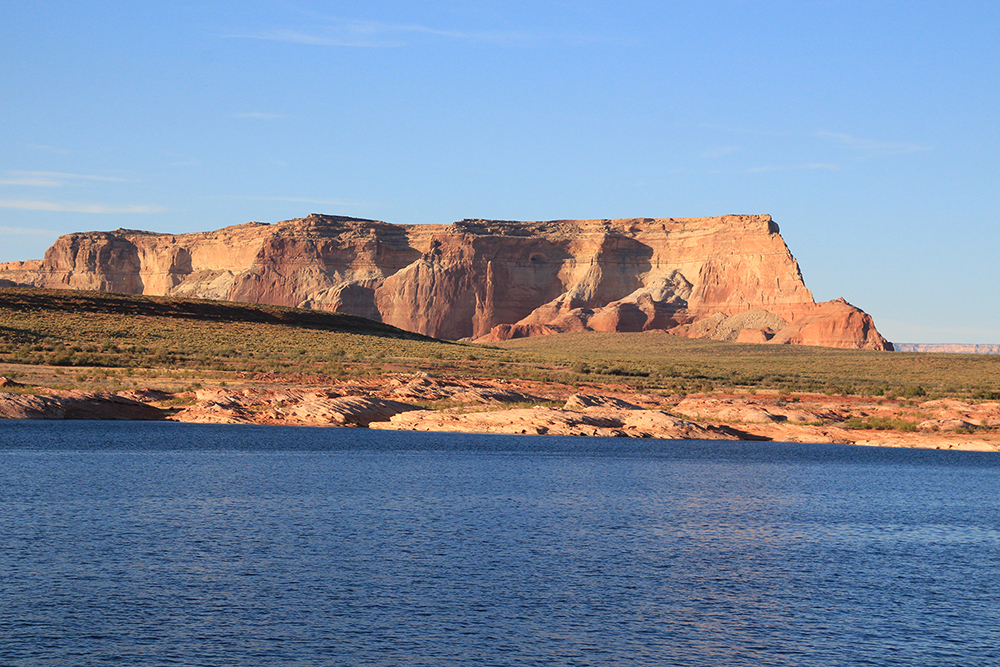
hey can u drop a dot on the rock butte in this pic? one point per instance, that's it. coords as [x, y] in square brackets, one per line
[728, 277]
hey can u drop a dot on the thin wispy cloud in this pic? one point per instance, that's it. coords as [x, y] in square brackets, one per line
[375, 34]
[716, 153]
[34, 182]
[770, 168]
[320, 38]
[259, 115]
[56, 178]
[793, 167]
[870, 147]
[864, 147]
[75, 207]
[180, 159]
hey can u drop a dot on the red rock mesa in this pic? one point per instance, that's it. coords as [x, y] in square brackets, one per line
[729, 277]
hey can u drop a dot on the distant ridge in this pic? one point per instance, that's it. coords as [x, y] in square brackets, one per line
[947, 347]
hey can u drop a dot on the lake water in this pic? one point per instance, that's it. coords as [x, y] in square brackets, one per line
[172, 544]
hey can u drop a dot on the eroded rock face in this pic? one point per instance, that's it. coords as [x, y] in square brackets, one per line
[295, 407]
[58, 404]
[488, 280]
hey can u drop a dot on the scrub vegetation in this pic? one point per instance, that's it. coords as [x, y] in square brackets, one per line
[687, 364]
[100, 340]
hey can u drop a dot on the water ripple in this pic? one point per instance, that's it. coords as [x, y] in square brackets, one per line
[155, 545]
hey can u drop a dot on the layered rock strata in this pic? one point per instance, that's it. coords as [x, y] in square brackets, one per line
[58, 404]
[729, 277]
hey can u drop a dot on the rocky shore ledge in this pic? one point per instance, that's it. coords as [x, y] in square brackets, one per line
[418, 402]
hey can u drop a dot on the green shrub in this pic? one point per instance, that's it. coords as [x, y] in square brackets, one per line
[986, 395]
[880, 424]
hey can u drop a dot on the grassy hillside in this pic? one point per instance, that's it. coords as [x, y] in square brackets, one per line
[72, 328]
[100, 340]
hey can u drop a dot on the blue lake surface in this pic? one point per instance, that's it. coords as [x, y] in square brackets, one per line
[172, 544]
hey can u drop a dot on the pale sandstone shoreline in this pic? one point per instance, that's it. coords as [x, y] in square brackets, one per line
[479, 405]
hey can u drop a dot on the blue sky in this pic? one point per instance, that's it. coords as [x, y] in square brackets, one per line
[868, 130]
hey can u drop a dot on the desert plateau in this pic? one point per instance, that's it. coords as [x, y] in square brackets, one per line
[726, 277]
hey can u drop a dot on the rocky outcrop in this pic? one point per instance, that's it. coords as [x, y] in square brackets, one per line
[56, 404]
[529, 407]
[294, 407]
[598, 422]
[729, 277]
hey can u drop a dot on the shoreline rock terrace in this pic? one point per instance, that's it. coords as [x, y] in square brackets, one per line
[525, 407]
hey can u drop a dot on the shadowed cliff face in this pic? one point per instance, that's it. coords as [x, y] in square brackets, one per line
[96, 261]
[482, 279]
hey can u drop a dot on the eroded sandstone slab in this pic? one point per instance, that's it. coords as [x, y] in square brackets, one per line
[54, 404]
[484, 405]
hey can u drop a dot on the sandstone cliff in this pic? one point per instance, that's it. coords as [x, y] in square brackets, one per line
[728, 277]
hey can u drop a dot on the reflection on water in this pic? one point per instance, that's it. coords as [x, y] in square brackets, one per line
[160, 543]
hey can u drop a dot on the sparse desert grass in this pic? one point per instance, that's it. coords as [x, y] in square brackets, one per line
[667, 361]
[141, 334]
[96, 340]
